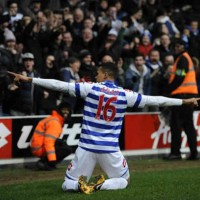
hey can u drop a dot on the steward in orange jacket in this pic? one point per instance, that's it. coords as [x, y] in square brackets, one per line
[45, 142]
[182, 85]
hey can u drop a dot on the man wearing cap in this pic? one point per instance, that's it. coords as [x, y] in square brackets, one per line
[23, 96]
[182, 84]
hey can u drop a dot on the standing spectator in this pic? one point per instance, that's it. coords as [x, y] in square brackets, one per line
[45, 142]
[77, 25]
[163, 18]
[70, 74]
[155, 65]
[149, 9]
[4, 100]
[24, 97]
[137, 77]
[48, 98]
[88, 69]
[13, 13]
[197, 70]
[36, 36]
[194, 38]
[145, 45]
[182, 84]
[165, 46]
[105, 106]
[87, 73]
[135, 26]
[111, 45]
[168, 62]
[68, 43]
[87, 41]
[8, 51]
[90, 23]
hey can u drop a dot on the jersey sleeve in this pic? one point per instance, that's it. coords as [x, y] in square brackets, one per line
[137, 100]
[74, 89]
[134, 99]
[161, 101]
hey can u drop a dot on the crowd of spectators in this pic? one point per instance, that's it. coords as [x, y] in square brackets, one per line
[68, 39]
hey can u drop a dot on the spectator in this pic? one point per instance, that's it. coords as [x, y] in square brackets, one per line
[135, 27]
[155, 66]
[182, 83]
[8, 51]
[87, 41]
[111, 45]
[137, 76]
[77, 25]
[88, 69]
[70, 75]
[45, 142]
[13, 13]
[4, 101]
[120, 12]
[163, 18]
[48, 98]
[68, 43]
[168, 62]
[90, 23]
[165, 46]
[194, 38]
[87, 73]
[197, 71]
[145, 45]
[24, 97]
[149, 10]
[36, 37]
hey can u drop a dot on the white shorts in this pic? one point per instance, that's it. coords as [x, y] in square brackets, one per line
[113, 164]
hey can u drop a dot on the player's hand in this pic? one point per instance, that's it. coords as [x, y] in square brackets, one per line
[19, 77]
[192, 101]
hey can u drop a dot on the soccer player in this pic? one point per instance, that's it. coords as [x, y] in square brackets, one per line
[104, 109]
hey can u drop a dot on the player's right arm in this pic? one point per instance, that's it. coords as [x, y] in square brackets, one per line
[137, 100]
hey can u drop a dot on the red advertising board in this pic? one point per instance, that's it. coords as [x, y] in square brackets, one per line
[149, 131]
[5, 138]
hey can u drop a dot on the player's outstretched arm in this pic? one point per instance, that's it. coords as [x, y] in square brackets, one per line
[166, 101]
[51, 84]
[193, 101]
[19, 77]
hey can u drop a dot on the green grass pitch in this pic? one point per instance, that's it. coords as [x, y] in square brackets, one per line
[150, 180]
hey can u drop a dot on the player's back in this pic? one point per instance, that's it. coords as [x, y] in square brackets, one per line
[104, 110]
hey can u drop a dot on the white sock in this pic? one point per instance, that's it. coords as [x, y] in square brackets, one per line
[114, 184]
[70, 185]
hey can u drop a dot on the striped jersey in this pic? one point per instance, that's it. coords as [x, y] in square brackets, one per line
[105, 105]
[104, 109]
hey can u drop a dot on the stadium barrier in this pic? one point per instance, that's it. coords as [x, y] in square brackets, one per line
[142, 134]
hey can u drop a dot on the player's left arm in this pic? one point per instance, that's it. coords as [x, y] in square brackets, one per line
[74, 89]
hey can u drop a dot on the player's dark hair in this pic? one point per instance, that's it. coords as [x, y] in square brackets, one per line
[110, 68]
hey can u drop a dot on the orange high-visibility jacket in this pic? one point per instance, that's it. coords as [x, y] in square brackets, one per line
[45, 135]
[188, 86]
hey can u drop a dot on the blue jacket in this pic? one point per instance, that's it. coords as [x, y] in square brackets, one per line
[136, 81]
